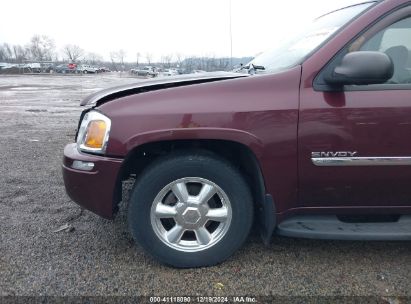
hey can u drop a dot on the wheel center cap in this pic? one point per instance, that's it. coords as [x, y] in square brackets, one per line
[191, 215]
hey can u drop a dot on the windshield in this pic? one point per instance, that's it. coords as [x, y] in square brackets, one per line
[291, 51]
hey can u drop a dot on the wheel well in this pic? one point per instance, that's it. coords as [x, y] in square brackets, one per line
[237, 154]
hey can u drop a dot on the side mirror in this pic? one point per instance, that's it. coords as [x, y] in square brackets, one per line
[361, 68]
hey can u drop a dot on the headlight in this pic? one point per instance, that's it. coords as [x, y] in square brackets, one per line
[93, 133]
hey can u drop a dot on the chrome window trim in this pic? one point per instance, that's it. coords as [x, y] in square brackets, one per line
[361, 161]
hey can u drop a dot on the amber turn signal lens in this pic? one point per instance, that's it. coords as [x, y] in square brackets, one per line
[96, 132]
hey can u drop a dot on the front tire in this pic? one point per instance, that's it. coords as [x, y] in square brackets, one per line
[190, 210]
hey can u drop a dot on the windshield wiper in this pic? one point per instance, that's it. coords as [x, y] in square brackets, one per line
[252, 68]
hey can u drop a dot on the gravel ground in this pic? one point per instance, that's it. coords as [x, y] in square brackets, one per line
[38, 116]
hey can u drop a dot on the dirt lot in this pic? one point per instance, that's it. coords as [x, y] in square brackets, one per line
[38, 116]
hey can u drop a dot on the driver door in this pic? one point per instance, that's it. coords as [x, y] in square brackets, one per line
[370, 121]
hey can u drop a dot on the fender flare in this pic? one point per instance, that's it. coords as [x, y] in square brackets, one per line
[242, 137]
[266, 206]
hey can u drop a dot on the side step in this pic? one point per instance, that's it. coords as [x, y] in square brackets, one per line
[329, 227]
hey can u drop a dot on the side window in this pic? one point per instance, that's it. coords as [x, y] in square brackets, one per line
[395, 41]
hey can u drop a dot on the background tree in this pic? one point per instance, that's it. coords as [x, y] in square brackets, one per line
[149, 57]
[189, 63]
[179, 60]
[93, 58]
[73, 52]
[138, 55]
[6, 53]
[223, 64]
[113, 59]
[2, 53]
[41, 48]
[166, 60]
[20, 53]
[121, 54]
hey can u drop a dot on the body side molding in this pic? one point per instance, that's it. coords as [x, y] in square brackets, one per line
[361, 161]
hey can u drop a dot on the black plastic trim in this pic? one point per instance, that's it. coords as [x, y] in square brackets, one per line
[329, 227]
[267, 219]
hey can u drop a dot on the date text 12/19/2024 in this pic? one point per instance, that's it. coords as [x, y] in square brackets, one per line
[204, 299]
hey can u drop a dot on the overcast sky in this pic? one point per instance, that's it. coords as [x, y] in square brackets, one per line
[160, 27]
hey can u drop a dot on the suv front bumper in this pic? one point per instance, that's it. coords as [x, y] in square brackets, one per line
[92, 188]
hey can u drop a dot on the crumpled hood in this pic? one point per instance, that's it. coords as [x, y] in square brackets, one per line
[109, 94]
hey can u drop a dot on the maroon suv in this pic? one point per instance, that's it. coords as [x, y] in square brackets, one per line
[311, 139]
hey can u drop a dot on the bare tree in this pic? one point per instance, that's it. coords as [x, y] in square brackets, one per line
[121, 54]
[19, 53]
[189, 63]
[73, 52]
[93, 58]
[179, 59]
[41, 47]
[212, 64]
[166, 60]
[113, 58]
[138, 57]
[202, 64]
[223, 64]
[2, 53]
[6, 53]
[149, 57]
